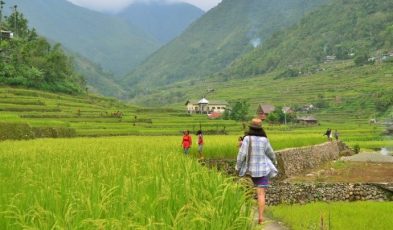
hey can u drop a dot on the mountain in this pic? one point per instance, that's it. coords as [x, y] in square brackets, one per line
[163, 21]
[214, 41]
[107, 40]
[341, 30]
[98, 81]
[291, 68]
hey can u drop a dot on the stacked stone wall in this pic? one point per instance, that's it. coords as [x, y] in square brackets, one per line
[296, 160]
[289, 193]
[291, 162]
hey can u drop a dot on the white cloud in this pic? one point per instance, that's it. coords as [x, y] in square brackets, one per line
[116, 5]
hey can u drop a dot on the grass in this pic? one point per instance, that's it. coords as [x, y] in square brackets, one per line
[348, 172]
[114, 183]
[336, 216]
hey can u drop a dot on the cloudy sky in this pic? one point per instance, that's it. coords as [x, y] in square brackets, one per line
[115, 5]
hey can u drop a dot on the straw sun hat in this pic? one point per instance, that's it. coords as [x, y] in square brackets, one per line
[255, 123]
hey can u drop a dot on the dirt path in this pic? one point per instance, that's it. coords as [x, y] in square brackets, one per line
[268, 224]
[369, 157]
[273, 225]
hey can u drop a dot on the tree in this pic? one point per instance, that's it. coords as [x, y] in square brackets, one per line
[30, 61]
[361, 59]
[238, 112]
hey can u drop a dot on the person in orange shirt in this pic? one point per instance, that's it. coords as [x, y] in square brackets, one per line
[186, 142]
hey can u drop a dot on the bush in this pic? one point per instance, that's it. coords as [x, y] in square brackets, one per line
[15, 131]
[53, 132]
[22, 131]
[356, 148]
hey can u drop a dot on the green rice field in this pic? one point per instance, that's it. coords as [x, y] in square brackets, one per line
[128, 171]
[336, 216]
[114, 183]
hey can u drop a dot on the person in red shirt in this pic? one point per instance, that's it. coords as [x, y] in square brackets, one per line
[200, 143]
[187, 142]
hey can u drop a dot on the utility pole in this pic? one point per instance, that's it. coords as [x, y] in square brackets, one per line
[2, 3]
[15, 20]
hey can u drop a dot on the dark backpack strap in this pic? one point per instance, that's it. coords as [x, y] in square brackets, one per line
[249, 154]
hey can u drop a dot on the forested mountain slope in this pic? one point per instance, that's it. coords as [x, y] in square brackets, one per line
[164, 21]
[210, 44]
[28, 60]
[106, 40]
[357, 29]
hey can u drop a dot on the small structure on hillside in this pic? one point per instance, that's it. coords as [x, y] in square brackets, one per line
[6, 35]
[264, 110]
[205, 106]
[307, 120]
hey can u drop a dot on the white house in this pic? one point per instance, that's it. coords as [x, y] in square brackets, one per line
[204, 106]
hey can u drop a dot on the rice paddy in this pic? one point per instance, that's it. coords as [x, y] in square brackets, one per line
[139, 178]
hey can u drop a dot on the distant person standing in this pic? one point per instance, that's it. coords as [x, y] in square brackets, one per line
[328, 134]
[186, 142]
[200, 143]
[257, 159]
[336, 134]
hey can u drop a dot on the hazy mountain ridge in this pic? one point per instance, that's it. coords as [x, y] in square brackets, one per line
[215, 40]
[341, 30]
[164, 21]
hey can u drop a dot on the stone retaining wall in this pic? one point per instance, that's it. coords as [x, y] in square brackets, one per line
[296, 160]
[293, 161]
[289, 193]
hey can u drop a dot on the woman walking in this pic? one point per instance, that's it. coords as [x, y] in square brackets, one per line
[257, 159]
[186, 142]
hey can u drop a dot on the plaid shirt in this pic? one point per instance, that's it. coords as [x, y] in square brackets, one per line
[262, 158]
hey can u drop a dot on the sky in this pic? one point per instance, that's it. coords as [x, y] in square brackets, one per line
[116, 5]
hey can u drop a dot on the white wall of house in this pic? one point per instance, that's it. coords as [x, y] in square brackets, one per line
[194, 108]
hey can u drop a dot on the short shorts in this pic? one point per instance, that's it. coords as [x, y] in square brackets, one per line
[261, 182]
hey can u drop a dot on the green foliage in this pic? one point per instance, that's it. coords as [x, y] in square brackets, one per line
[30, 61]
[383, 100]
[53, 132]
[115, 183]
[238, 112]
[104, 39]
[278, 116]
[22, 131]
[15, 131]
[337, 215]
[356, 148]
[361, 59]
[341, 29]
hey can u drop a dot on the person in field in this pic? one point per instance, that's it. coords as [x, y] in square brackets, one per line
[256, 158]
[328, 134]
[200, 143]
[186, 142]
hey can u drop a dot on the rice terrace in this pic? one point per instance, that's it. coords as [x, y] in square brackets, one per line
[211, 114]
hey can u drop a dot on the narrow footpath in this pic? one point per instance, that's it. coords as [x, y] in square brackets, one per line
[268, 224]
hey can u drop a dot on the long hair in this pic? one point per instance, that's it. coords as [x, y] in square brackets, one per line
[259, 132]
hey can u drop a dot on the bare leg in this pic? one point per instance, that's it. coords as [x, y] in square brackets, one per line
[261, 203]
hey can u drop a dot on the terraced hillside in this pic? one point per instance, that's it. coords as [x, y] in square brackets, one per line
[97, 116]
[343, 92]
